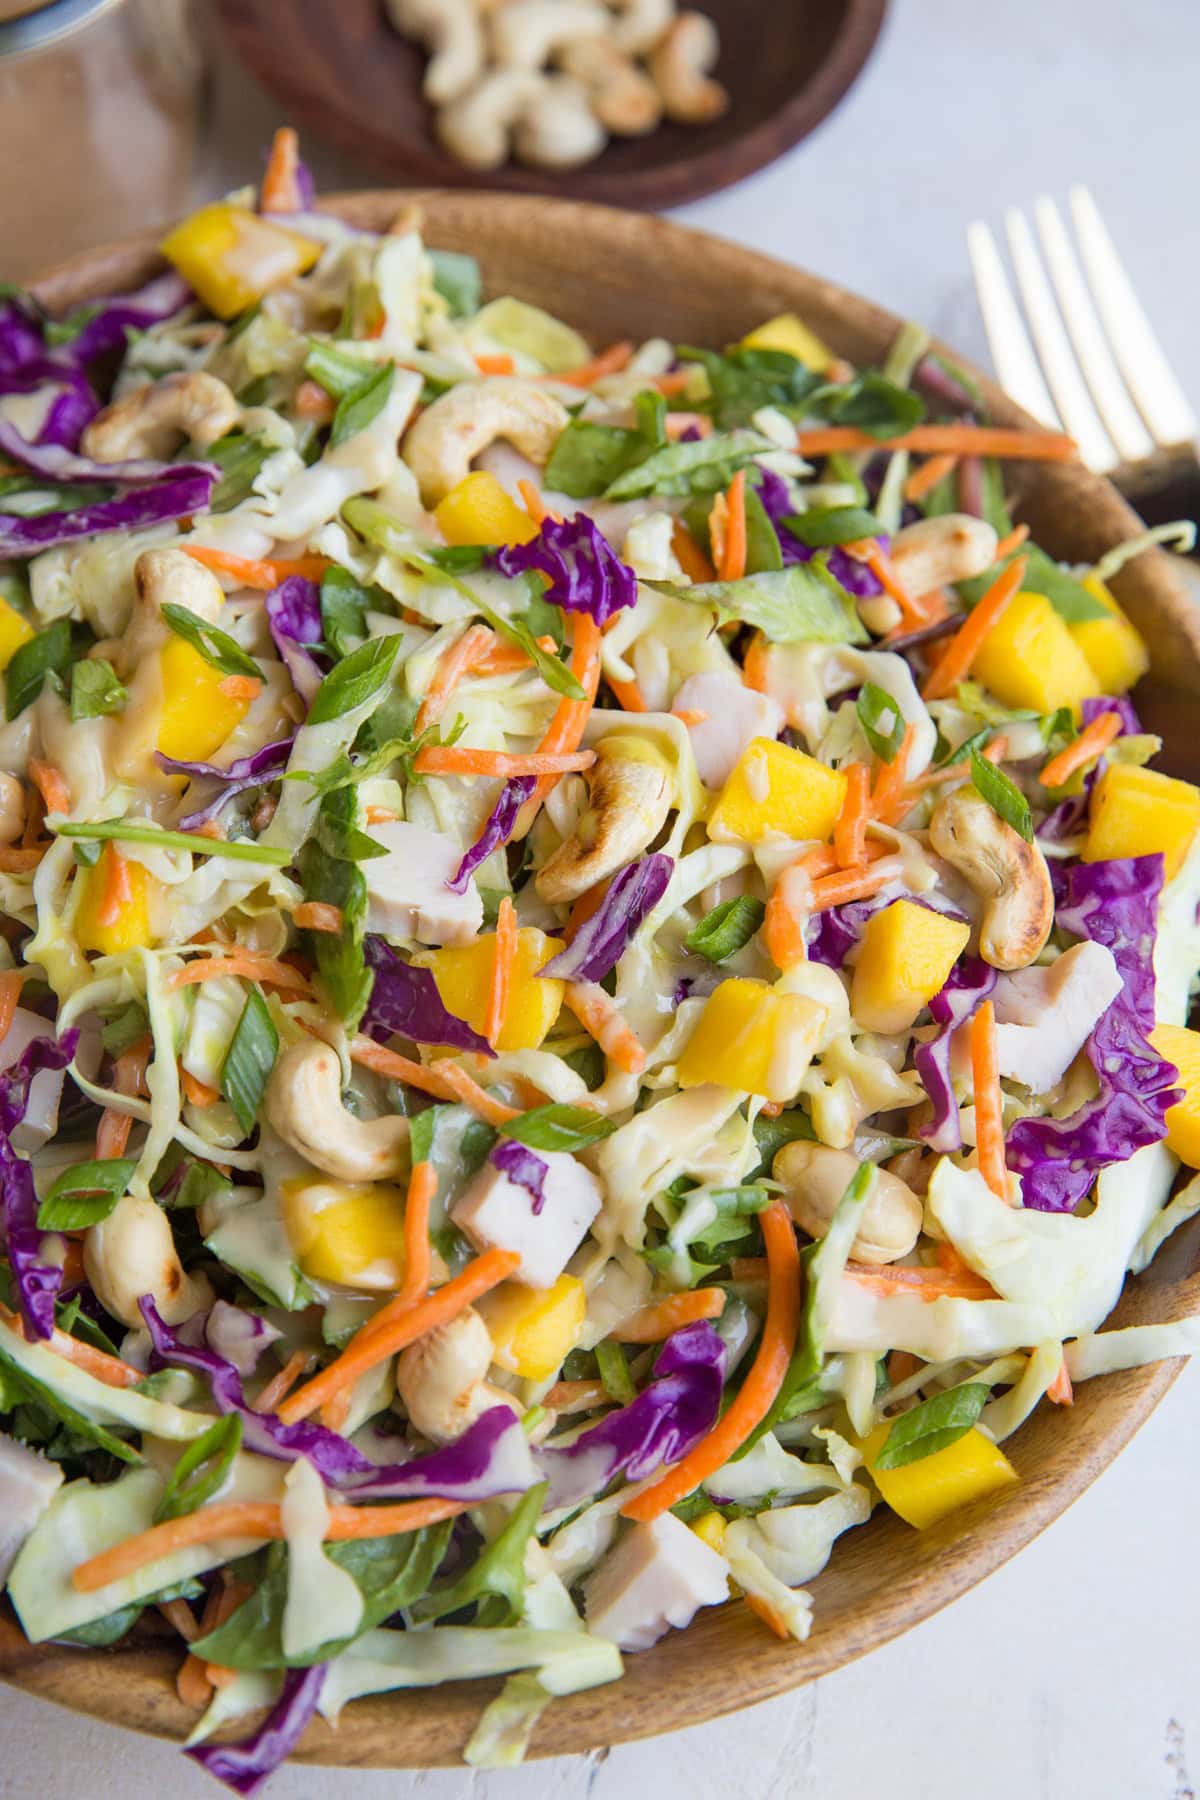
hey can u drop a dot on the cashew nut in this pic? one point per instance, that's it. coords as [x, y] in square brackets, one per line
[12, 809]
[1008, 874]
[526, 33]
[132, 1253]
[475, 127]
[935, 552]
[641, 24]
[559, 130]
[816, 1177]
[452, 32]
[441, 1381]
[160, 576]
[679, 64]
[304, 1105]
[154, 420]
[441, 446]
[630, 795]
[623, 98]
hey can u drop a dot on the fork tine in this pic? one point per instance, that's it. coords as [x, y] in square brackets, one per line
[1062, 371]
[1012, 353]
[1095, 359]
[1159, 397]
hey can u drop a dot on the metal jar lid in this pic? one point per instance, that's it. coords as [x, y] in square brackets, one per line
[28, 27]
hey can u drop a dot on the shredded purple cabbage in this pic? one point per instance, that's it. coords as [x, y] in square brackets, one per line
[836, 931]
[490, 1458]
[1115, 904]
[20, 335]
[586, 574]
[36, 1283]
[246, 1767]
[238, 1335]
[294, 616]
[524, 1167]
[1069, 818]
[61, 465]
[854, 576]
[176, 497]
[602, 940]
[498, 828]
[1121, 704]
[672, 1413]
[405, 1002]
[967, 987]
[106, 330]
[244, 772]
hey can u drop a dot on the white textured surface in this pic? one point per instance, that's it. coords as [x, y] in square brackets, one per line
[1072, 1672]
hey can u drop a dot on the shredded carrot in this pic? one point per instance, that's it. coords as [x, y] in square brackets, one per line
[951, 1258]
[731, 564]
[510, 659]
[250, 1519]
[398, 1324]
[989, 1101]
[319, 915]
[923, 480]
[609, 362]
[601, 1018]
[503, 964]
[192, 1683]
[118, 892]
[688, 715]
[198, 1093]
[380, 815]
[461, 759]
[18, 860]
[281, 1383]
[1061, 1392]
[462, 655]
[251, 965]
[11, 982]
[786, 915]
[240, 687]
[754, 1398]
[678, 424]
[445, 1080]
[50, 784]
[1013, 541]
[252, 572]
[335, 1412]
[180, 1618]
[112, 1134]
[955, 661]
[280, 190]
[575, 1396]
[312, 402]
[422, 1187]
[629, 694]
[850, 832]
[754, 667]
[774, 1620]
[223, 1604]
[535, 506]
[98, 1363]
[690, 556]
[495, 365]
[1091, 743]
[675, 381]
[902, 1363]
[928, 1284]
[912, 613]
[129, 1077]
[651, 1324]
[566, 728]
[853, 884]
[959, 440]
[889, 797]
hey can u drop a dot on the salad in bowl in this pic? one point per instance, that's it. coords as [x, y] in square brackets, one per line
[595, 973]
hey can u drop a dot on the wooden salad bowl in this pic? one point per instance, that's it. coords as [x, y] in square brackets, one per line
[618, 275]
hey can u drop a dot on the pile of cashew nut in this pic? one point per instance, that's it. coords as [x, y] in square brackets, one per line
[549, 81]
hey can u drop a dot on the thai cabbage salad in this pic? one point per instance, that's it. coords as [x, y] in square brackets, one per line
[595, 973]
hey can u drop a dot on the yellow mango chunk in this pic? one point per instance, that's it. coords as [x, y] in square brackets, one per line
[463, 973]
[1113, 647]
[751, 1038]
[1182, 1047]
[775, 788]
[789, 333]
[196, 716]
[1136, 812]
[346, 1233]
[15, 630]
[232, 257]
[711, 1527]
[907, 952]
[533, 1329]
[924, 1492]
[132, 927]
[479, 511]
[1029, 658]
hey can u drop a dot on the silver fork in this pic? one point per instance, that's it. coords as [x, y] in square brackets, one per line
[1099, 371]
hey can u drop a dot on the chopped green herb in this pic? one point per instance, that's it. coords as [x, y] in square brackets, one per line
[1002, 795]
[201, 1469]
[95, 689]
[934, 1425]
[727, 928]
[559, 1127]
[881, 721]
[217, 648]
[249, 1059]
[47, 654]
[85, 1194]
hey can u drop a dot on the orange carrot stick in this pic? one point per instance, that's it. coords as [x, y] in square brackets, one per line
[690, 556]
[629, 694]
[912, 613]
[731, 565]
[463, 654]
[98, 1363]
[461, 759]
[1091, 743]
[608, 362]
[319, 915]
[1013, 541]
[252, 965]
[889, 797]
[495, 365]
[503, 964]
[129, 1077]
[850, 832]
[989, 1101]
[926, 478]
[118, 891]
[566, 728]
[651, 1324]
[51, 785]
[929, 1284]
[197, 1093]
[675, 381]
[280, 190]
[601, 1018]
[535, 506]
[281, 1383]
[312, 402]
[853, 884]
[955, 661]
[958, 440]
[444, 1080]
[11, 982]
[786, 914]
[1061, 1392]
[240, 687]
[264, 573]
[422, 1186]
[463, 1087]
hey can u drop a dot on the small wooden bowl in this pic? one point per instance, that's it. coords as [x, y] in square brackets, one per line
[621, 275]
[786, 64]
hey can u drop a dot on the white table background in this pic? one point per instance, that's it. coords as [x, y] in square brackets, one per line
[1073, 1672]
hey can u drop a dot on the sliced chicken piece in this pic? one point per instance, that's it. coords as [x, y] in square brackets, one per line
[658, 1575]
[45, 1090]
[496, 1212]
[28, 1483]
[1046, 1015]
[407, 895]
[734, 715]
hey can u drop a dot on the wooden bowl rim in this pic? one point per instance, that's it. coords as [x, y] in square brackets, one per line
[677, 179]
[672, 1686]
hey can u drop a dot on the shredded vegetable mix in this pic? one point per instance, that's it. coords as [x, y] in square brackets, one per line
[571, 1024]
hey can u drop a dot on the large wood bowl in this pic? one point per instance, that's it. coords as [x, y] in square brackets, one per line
[615, 275]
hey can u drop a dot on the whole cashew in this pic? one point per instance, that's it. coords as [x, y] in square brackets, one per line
[304, 1105]
[679, 64]
[475, 128]
[816, 1177]
[132, 1253]
[445, 440]
[1008, 874]
[12, 809]
[935, 552]
[623, 98]
[525, 33]
[441, 1381]
[630, 795]
[559, 130]
[452, 32]
[154, 420]
[641, 24]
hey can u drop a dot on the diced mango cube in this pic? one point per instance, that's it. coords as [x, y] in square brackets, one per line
[751, 1038]
[907, 952]
[345, 1233]
[775, 788]
[479, 511]
[197, 716]
[1136, 812]
[1113, 647]
[533, 1329]
[1182, 1047]
[15, 630]
[232, 257]
[711, 1527]
[131, 926]
[789, 333]
[924, 1492]
[1029, 658]
[463, 973]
